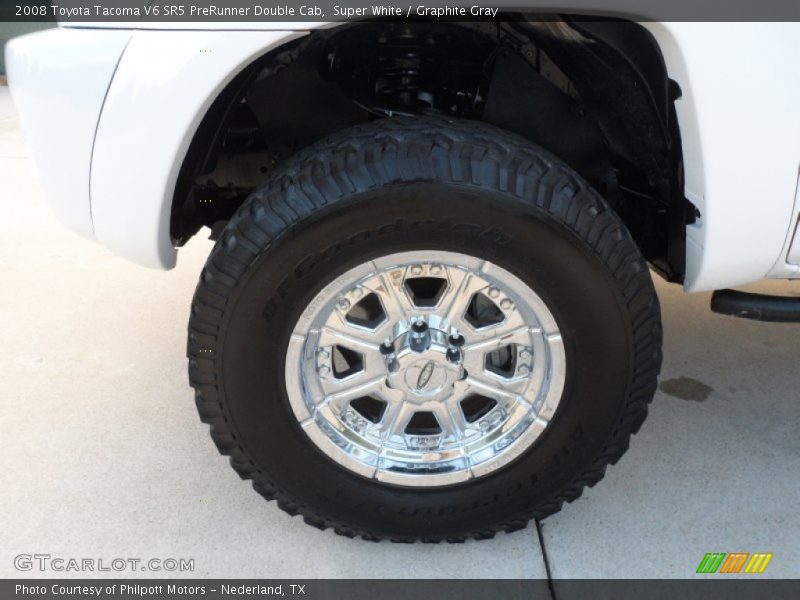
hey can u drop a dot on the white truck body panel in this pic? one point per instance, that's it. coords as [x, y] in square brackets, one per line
[60, 80]
[739, 121]
[792, 250]
[740, 124]
[162, 89]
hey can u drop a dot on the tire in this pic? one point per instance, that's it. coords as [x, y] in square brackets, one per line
[447, 188]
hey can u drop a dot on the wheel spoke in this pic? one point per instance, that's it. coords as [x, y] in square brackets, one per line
[499, 336]
[463, 285]
[339, 394]
[374, 363]
[395, 419]
[389, 288]
[495, 338]
[493, 389]
[451, 420]
[350, 336]
[456, 296]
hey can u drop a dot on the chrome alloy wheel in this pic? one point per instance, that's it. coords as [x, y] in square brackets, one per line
[425, 368]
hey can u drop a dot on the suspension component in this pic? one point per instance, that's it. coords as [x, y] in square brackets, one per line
[412, 68]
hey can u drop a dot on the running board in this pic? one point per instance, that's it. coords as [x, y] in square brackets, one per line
[777, 309]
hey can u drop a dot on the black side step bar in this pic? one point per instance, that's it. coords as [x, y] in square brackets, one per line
[778, 309]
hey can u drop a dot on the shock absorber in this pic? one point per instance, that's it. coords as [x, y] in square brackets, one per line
[404, 70]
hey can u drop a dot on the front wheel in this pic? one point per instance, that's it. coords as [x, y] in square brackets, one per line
[420, 329]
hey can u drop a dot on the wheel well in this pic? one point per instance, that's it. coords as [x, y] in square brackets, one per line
[594, 92]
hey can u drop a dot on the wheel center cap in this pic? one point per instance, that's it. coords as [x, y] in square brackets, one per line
[423, 365]
[425, 377]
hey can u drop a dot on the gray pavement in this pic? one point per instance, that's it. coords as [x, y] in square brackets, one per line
[104, 456]
[716, 466]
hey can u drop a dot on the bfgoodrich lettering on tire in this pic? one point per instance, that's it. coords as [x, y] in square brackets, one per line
[421, 329]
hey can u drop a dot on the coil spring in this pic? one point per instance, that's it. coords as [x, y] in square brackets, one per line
[406, 64]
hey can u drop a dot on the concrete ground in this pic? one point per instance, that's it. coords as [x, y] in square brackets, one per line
[104, 456]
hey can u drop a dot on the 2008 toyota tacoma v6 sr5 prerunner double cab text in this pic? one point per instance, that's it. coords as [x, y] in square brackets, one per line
[429, 314]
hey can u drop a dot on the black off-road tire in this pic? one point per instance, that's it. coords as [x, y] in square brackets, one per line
[409, 184]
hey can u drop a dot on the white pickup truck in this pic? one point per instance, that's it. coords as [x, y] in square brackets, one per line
[429, 313]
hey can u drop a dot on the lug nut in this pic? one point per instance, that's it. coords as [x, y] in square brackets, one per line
[505, 304]
[323, 370]
[456, 340]
[343, 304]
[420, 339]
[453, 354]
[416, 270]
[436, 269]
[494, 292]
[387, 348]
[524, 369]
[524, 353]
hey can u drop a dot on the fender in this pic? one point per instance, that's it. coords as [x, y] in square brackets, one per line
[163, 86]
[744, 194]
[744, 190]
[58, 117]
